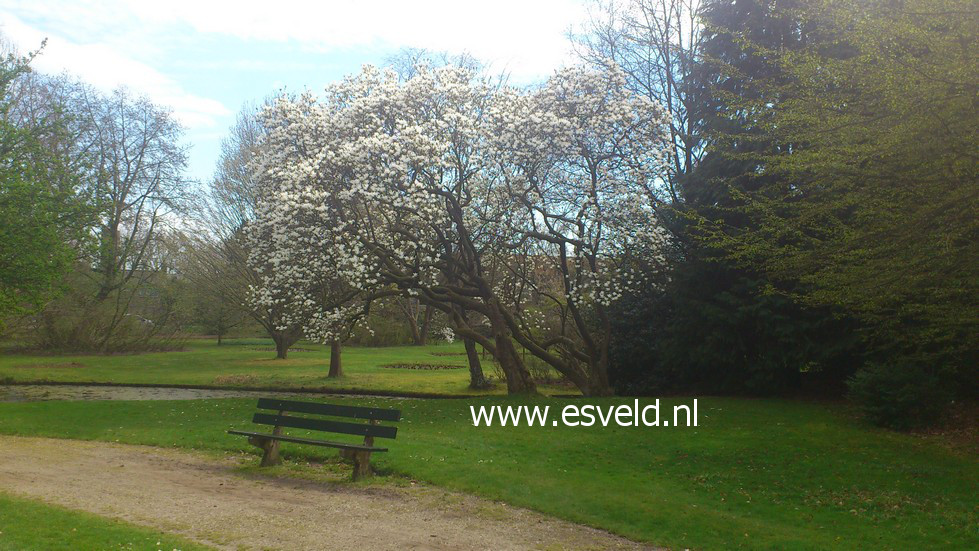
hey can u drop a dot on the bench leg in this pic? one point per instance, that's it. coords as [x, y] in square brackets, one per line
[270, 457]
[362, 465]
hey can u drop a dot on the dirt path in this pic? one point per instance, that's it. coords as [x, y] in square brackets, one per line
[202, 499]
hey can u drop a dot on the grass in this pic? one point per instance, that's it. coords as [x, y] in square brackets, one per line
[760, 474]
[27, 524]
[251, 363]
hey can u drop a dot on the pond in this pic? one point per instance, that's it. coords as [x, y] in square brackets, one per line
[41, 393]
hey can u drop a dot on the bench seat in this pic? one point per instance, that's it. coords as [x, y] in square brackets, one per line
[310, 441]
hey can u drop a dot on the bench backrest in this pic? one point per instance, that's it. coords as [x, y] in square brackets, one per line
[373, 415]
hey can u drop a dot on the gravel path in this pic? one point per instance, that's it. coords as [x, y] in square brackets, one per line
[202, 499]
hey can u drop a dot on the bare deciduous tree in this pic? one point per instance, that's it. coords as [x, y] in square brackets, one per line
[122, 156]
[418, 317]
[222, 252]
[657, 45]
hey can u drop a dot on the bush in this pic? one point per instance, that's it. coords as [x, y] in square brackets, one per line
[139, 318]
[904, 395]
[713, 329]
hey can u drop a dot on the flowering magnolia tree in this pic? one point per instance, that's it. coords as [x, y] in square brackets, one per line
[298, 271]
[514, 212]
[301, 288]
[579, 160]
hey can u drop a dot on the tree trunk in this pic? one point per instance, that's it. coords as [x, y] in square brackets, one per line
[476, 378]
[281, 346]
[518, 379]
[426, 326]
[415, 335]
[598, 384]
[283, 341]
[419, 331]
[336, 368]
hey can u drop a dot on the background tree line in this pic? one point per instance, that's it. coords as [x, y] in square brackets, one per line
[93, 186]
[105, 245]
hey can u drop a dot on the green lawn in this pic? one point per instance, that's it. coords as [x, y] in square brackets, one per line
[252, 363]
[769, 474]
[31, 525]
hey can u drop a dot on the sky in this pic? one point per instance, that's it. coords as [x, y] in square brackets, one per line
[205, 59]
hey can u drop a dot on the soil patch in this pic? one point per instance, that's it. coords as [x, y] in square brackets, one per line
[237, 379]
[429, 367]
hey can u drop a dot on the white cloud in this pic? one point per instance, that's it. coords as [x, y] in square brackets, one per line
[109, 43]
[106, 67]
[525, 37]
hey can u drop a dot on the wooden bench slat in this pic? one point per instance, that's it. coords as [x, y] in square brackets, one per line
[326, 425]
[359, 453]
[310, 441]
[355, 412]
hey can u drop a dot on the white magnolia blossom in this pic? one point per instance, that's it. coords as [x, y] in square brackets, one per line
[449, 188]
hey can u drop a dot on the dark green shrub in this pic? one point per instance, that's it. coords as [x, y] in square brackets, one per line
[713, 329]
[903, 395]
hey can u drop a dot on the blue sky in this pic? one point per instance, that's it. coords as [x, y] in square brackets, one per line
[204, 59]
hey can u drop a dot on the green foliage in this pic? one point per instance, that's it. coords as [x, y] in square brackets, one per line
[758, 473]
[210, 314]
[386, 326]
[34, 255]
[35, 228]
[144, 319]
[845, 169]
[715, 329]
[878, 135]
[902, 396]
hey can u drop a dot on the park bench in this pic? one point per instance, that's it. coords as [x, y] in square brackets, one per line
[285, 417]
